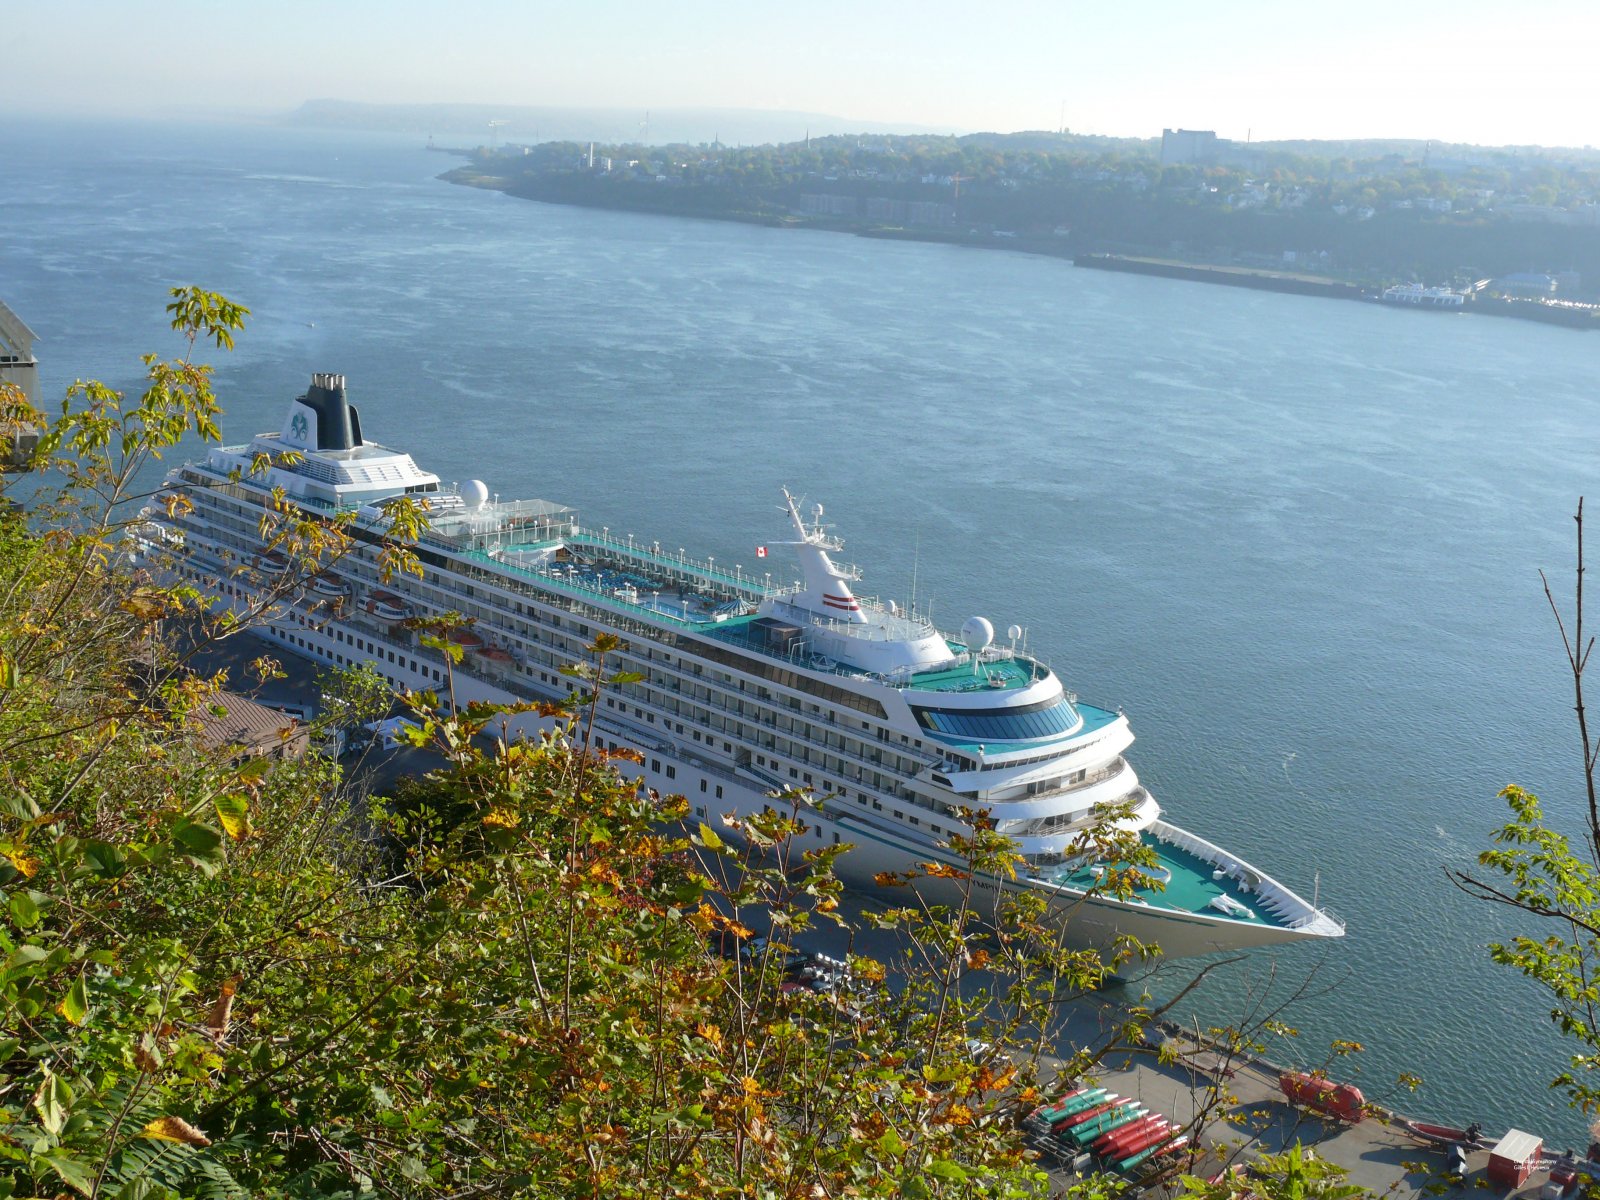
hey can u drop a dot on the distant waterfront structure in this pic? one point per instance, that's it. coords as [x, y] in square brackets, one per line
[1530, 284]
[18, 366]
[1182, 146]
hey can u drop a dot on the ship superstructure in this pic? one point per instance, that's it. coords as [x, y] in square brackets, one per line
[747, 686]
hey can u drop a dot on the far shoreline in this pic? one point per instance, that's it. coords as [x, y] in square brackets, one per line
[1254, 278]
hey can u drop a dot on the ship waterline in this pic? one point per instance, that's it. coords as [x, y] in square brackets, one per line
[748, 687]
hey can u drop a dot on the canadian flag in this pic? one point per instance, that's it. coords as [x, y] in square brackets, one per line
[761, 551]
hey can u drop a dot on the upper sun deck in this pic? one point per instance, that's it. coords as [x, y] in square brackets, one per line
[364, 468]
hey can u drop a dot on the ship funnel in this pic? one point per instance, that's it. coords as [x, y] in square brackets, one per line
[323, 419]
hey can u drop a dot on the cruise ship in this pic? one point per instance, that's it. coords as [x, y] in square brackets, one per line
[893, 728]
[1414, 295]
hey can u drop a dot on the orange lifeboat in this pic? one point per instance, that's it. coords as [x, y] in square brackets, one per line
[467, 640]
[386, 606]
[328, 584]
[1342, 1101]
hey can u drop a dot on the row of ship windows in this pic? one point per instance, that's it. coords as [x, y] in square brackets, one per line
[380, 653]
[540, 629]
[797, 751]
[867, 752]
[642, 692]
[670, 771]
[1001, 727]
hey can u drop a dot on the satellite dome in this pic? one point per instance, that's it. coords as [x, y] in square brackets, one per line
[977, 633]
[475, 492]
[1014, 632]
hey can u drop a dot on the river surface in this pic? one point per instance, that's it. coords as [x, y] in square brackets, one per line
[1297, 540]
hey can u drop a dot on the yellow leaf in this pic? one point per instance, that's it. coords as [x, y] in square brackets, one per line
[28, 866]
[234, 814]
[175, 1129]
[145, 605]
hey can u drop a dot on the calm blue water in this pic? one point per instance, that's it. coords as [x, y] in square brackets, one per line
[1297, 540]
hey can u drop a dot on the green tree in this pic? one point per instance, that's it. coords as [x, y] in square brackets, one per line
[1295, 1174]
[1537, 870]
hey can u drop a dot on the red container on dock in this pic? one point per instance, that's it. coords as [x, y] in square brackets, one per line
[1514, 1158]
[1563, 1176]
[1342, 1101]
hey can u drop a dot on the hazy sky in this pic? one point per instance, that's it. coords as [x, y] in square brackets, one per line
[1490, 71]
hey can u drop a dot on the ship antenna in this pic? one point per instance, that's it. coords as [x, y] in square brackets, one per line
[1316, 890]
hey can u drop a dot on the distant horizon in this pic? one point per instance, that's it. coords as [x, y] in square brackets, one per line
[828, 125]
[1477, 73]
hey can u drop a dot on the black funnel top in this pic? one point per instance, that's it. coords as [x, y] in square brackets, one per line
[338, 423]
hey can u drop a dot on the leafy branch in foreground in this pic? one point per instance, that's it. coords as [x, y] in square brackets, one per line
[1535, 869]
